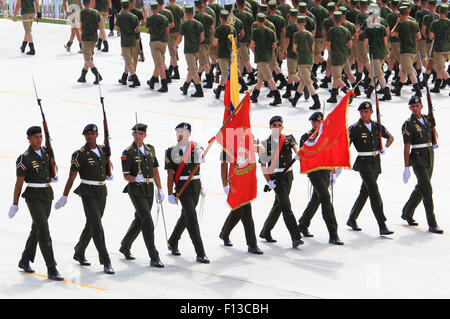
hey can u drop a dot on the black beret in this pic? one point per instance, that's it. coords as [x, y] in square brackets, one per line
[414, 99]
[140, 127]
[184, 125]
[90, 128]
[276, 118]
[365, 106]
[34, 130]
[316, 116]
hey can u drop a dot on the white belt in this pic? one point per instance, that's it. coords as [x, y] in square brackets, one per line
[96, 183]
[424, 145]
[147, 180]
[183, 178]
[281, 170]
[38, 185]
[373, 153]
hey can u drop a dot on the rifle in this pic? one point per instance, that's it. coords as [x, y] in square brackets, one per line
[106, 134]
[377, 103]
[430, 106]
[48, 144]
[139, 153]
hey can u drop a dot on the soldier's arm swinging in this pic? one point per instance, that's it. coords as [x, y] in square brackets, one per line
[406, 151]
[156, 177]
[18, 189]
[389, 141]
[69, 183]
[170, 180]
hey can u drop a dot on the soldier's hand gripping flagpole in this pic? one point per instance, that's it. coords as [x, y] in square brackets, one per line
[106, 133]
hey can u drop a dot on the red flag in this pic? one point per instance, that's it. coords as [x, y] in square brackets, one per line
[237, 141]
[328, 147]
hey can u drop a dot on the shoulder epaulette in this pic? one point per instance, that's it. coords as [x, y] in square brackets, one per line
[352, 126]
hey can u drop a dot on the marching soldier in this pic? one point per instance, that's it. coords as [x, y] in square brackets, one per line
[421, 43]
[320, 181]
[425, 31]
[320, 13]
[140, 170]
[28, 10]
[193, 33]
[364, 134]
[90, 161]
[104, 7]
[90, 21]
[33, 168]
[138, 47]
[328, 23]
[178, 18]
[290, 55]
[419, 153]
[179, 162]
[362, 52]
[244, 53]
[276, 156]
[73, 16]
[169, 16]
[158, 27]
[128, 25]
[140, 6]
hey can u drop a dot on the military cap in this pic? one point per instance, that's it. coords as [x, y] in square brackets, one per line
[337, 16]
[198, 3]
[403, 10]
[343, 9]
[86, 1]
[275, 118]
[263, 8]
[90, 128]
[272, 4]
[432, 2]
[154, 5]
[240, 2]
[316, 116]
[406, 4]
[354, 2]
[124, 1]
[363, 2]
[365, 106]
[139, 127]
[160, 1]
[331, 5]
[260, 17]
[394, 3]
[224, 14]
[302, 6]
[189, 9]
[293, 12]
[414, 100]
[443, 7]
[228, 7]
[301, 19]
[184, 125]
[34, 130]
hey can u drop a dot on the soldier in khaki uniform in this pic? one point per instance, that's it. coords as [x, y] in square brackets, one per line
[178, 18]
[91, 163]
[73, 18]
[140, 170]
[27, 11]
[104, 7]
[137, 50]
[33, 168]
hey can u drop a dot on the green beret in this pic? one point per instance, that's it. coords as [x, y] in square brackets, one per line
[414, 100]
[260, 17]
[272, 4]
[403, 10]
[316, 116]
[331, 5]
[90, 128]
[343, 9]
[154, 5]
[240, 2]
[140, 127]
[432, 2]
[34, 130]
[337, 16]
[224, 14]
[301, 19]
[189, 9]
[365, 106]
[263, 8]
[293, 12]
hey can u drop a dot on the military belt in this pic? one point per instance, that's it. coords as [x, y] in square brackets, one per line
[281, 170]
[183, 178]
[38, 185]
[96, 183]
[373, 153]
[147, 180]
[424, 145]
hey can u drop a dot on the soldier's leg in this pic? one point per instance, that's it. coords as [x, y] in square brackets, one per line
[189, 201]
[370, 181]
[233, 218]
[414, 200]
[360, 201]
[83, 241]
[282, 192]
[423, 175]
[143, 207]
[178, 230]
[31, 244]
[271, 219]
[132, 233]
[310, 211]
[249, 225]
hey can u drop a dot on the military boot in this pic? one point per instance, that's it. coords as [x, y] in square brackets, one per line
[244, 86]
[287, 94]
[295, 99]
[198, 91]
[53, 274]
[251, 78]
[98, 77]
[168, 79]
[254, 96]
[25, 266]
[123, 80]
[105, 46]
[68, 45]
[217, 91]
[176, 73]
[277, 98]
[437, 86]
[209, 81]
[325, 81]
[185, 87]
[32, 51]
[152, 82]
[316, 104]
[387, 94]
[226, 240]
[398, 88]
[82, 78]
[369, 91]
[23, 46]
[282, 80]
[416, 88]
[163, 88]
[99, 44]
[334, 94]
[156, 262]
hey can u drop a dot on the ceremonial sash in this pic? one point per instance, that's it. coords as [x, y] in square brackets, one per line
[277, 154]
[183, 161]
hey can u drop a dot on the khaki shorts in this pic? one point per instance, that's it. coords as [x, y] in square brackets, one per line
[212, 49]
[172, 40]
[264, 72]
[439, 59]
[224, 65]
[136, 50]
[88, 49]
[422, 48]
[406, 63]
[203, 54]
[347, 67]
[362, 56]
[104, 16]
[191, 61]
[275, 55]
[27, 24]
[158, 50]
[378, 66]
[304, 73]
[127, 53]
[354, 50]
[318, 44]
[395, 52]
[292, 66]
[336, 72]
[244, 53]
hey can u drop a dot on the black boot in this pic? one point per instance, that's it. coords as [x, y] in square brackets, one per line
[270, 94]
[333, 98]
[314, 69]
[398, 88]
[82, 78]
[387, 75]
[277, 98]
[244, 86]
[185, 87]
[304, 231]
[444, 84]
[297, 242]
[105, 46]
[156, 262]
[209, 81]
[385, 231]
[416, 88]
[306, 93]
[251, 78]
[68, 45]
[31, 52]
[98, 77]
[127, 254]
[23, 46]
[425, 78]
[198, 91]
[387, 94]
[358, 76]
[25, 266]
[99, 44]
[369, 91]
[356, 90]
[335, 240]
[152, 82]
[163, 87]
[170, 70]
[282, 80]
[226, 240]
[168, 79]
[203, 259]
[316, 104]
[254, 96]
[53, 274]
[134, 81]
[218, 90]
[325, 81]
[324, 66]
[123, 80]
[288, 91]
[295, 99]
[268, 238]
[176, 73]
[437, 86]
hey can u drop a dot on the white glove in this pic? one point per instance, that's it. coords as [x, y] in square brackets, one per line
[271, 184]
[383, 151]
[54, 180]
[202, 192]
[12, 211]
[226, 189]
[110, 178]
[296, 157]
[406, 175]
[172, 199]
[203, 159]
[435, 146]
[160, 195]
[333, 179]
[61, 202]
[139, 178]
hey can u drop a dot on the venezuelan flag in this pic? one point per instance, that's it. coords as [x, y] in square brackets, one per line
[232, 98]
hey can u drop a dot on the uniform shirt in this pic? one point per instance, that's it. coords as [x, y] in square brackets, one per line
[224, 45]
[247, 21]
[27, 6]
[264, 39]
[385, 11]
[351, 15]
[441, 30]
[291, 29]
[352, 29]
[414, 10]
[140, 16]
[101, 5]
[328, 23]
[427, 21]
[407, 31]
[238, 26]
[207, 21]
[178, 14]
[157, 24]
[392, 20]
[338, 37]
[304, 41]
[89, 19]
[127, 22]
[216, 8]
[278, 22]
[254, 6]
[284, 9]
[191, 30]
[320, 13]
[174, 156]
[271, 147]
[361, 18]
[414, 132]
[211, 12]
[366, 140]
[420, 15]
[167, 14]
[376, 35]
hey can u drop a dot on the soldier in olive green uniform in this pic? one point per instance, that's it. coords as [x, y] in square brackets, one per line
[33, 168]
[394, 42]
[169, 16]
[193, 33]
[362, 52]
[289, 54]
[244, 53]
[138, 54]
[425, 31]
[90, 21]
[320, 181]
[282, 185]
[27, 11]
[419, 153]
[189, 199]
[73, 18]
[158, 26]
[140, 170]
[328, 23]
[320, 13]
[128, 24]
[364, 134]
[178, 18]
[90, 161]
[104, 7]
